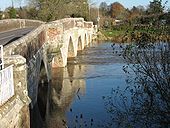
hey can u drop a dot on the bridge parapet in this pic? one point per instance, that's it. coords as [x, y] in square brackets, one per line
[79, 22]
[88, 25]
[28, 45]
[69, 23]
[10, 24]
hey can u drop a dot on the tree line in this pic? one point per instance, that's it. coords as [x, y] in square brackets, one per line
[154, 13]
[48, 10]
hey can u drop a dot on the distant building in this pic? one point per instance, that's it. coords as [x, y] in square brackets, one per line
[3, 16]
[116, 22]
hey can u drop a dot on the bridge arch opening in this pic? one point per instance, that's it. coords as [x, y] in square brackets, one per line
[89, 39]
[70, 49]
[85, 39]
[80, 44]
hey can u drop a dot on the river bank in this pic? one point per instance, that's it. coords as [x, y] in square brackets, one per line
[126, 36]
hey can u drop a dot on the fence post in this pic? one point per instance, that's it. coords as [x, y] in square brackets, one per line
[1, 58]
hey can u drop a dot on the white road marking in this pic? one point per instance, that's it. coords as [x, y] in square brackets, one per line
[7, 37]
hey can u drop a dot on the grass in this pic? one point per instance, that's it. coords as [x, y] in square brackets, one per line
[112, 33]
[126, 33]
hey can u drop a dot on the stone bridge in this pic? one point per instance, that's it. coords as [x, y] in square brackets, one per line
[33, 56]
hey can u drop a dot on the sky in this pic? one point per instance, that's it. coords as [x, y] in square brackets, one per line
[126, 3]
[130, 3]
[6, 3]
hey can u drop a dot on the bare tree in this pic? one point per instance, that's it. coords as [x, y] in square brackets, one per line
[145, 103]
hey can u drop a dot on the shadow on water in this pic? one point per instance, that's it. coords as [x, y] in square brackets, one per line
[55, 98]
[39, 112]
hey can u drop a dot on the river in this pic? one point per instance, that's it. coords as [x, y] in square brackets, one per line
[77, 90]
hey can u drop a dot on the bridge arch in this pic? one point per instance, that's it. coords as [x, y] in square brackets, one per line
[89, 40]
[80, 44]
[71, 49]
[85, 39]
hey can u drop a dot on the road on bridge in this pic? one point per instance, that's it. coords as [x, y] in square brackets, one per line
[12, 35]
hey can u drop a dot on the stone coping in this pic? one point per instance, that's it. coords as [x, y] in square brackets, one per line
[11, 20]
[11, 103]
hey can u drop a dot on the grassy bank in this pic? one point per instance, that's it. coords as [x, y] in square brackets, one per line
[130, 34]
[112, 33]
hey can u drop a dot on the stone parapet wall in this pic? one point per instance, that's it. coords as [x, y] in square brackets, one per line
[28, 45]
[10, 24]
[88, 24]
[11, 114]
[19, 74]
[79, 22]
[15, 112]
[69, 23]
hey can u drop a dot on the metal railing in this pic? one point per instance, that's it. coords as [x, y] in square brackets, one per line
[6, 84]
[1, 58]
[6, 80]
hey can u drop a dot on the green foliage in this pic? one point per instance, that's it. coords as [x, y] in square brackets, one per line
[145, 102]
[12, 12]
[32, 13]
[118, 11]
[112, 33]
[1, 13]
[167, 17]
[155, 7]
[104, 9]
[57, 9]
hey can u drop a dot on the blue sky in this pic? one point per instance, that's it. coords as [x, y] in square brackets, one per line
[130, 3]
[125, 3]
[6, 3]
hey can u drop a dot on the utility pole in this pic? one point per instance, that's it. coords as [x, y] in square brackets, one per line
[89, 9]
[98, 17]
[12, 3]
[89, 6]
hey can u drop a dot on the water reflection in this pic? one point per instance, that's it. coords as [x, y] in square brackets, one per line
[67, 83]
[92, 88]
[77, 90]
